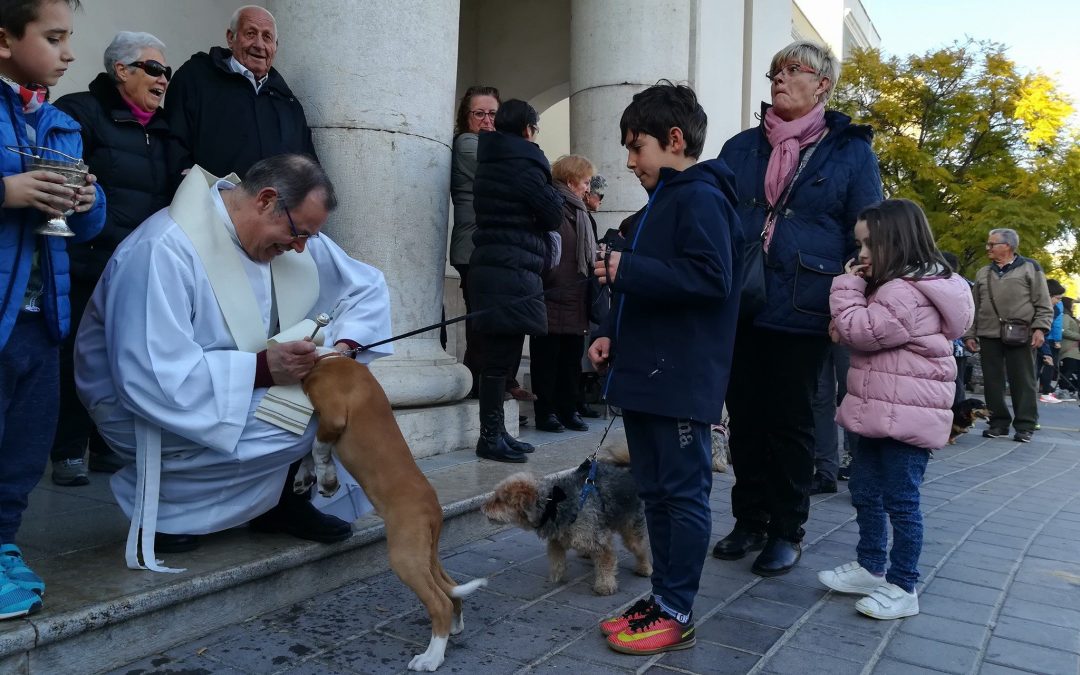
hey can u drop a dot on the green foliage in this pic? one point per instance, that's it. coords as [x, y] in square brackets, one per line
[977, 143]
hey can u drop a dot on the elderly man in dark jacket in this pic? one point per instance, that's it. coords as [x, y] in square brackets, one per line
[228, 109]
[516, 206]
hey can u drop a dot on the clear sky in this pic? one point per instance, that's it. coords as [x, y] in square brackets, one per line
[1040, 34]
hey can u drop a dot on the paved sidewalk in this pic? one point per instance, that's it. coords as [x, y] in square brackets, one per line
[1000, 594]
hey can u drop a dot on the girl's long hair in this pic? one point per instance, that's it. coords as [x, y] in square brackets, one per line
[901, 244]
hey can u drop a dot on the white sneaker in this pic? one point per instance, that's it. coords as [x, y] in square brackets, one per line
[851, 578]
[889, 601]
[1049, 398]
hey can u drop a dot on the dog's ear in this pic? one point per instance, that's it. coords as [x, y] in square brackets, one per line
[557, 494]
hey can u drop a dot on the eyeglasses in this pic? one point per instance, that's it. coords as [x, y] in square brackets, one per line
[299, 235]
[992, 244]
[481, 114]
[153, 69]
[790, 70]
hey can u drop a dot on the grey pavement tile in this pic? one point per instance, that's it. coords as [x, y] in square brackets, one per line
[931, 653]
[717, 587]
[316, 667]
[709, 658]
[521, 585]
[989, 550]
[511, 550]
[475, 564]
[951, 608]
[334, 617]
[893, 667]
[999, 539]
[159, 664]
[960, 590]
[1032, 657]
[1059, 575]
[945, 630]
[801, 576]
[822, 638]
[972, 575]
[264, 651]
[763, 611]
[376, 653]
[771, 589]
[593, 648]
[1043, 613]
[1056, 637]
[995, 669]
[836, 549]
[840, 611]
[982, 562]
[576, 566]
[731, 632]
[1036, 593]
[731, 569]
[1056, 553]
[484, 607]
[790, 660]
[580, 594]
[565, 664]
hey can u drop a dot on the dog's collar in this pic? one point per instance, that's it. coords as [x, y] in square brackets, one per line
[551, 505]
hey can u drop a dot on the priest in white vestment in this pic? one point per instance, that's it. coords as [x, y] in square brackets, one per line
[172, 351]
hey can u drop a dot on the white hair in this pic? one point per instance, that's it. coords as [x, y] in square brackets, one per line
[235, 20]
[1008, 236]
[812, 54]
[126, 47]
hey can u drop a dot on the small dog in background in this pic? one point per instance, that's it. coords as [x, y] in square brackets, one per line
[549, 507]
[721, 451]
[964, 415]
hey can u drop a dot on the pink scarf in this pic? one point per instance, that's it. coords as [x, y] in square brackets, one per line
[787, 139]
[141, 116]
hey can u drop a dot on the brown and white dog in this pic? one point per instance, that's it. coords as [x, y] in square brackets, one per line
[355, 419]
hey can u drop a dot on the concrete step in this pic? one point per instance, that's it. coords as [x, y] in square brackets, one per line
[99, 615]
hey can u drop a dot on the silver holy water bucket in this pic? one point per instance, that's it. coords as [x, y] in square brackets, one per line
[71, 168]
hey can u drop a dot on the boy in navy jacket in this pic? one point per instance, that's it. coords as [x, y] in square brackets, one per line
[667, 348]
[35, 50]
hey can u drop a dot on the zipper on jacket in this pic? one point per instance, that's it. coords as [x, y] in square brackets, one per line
[622, 297]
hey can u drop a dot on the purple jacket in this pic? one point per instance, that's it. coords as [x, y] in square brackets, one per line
[902, 378]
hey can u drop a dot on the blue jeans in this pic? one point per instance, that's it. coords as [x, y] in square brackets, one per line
[671, 461]
[29, 393]
[885, 479]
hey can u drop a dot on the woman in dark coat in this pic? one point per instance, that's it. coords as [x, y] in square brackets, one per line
[123, 134]
[556, 357]
[516, 206]
[802, 176]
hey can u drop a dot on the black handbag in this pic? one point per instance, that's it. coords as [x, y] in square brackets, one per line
[754, 297]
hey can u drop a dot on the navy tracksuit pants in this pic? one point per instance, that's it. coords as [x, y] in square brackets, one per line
[671, 461]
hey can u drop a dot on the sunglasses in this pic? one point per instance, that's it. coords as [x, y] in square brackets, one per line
[153, 69]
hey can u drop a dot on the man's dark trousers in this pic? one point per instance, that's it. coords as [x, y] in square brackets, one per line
[671, 461]
[999, 362]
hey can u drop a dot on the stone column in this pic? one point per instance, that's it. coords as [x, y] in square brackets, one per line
[618, 48]
[377, 79]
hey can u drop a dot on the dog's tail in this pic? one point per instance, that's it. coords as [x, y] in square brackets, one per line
[618, 453]
[461, 590]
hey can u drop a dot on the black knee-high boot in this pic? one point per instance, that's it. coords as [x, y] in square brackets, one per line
[493, 437]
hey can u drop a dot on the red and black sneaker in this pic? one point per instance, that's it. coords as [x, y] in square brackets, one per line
[655, 632]
[617, 624]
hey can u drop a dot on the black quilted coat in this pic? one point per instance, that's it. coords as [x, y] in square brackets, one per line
[515, 204]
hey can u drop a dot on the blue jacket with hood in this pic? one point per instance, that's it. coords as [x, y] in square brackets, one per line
[814, 234]
[676, 298]
[54, 130]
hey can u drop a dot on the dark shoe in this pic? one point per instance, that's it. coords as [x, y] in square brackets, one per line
[778, 557]
[496, 448]
[738, 543]
[1022, 437]
[106, 462]
[995, 433]
[175, 543]
[821, 485]
[573, 422]
[843, 473]
[549, 423]
[586, 411]
[70, 472]
[516, 445]
[298, 517]
[520, 394]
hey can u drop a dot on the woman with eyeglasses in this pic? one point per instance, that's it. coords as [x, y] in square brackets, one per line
[803, 175]
[123, 134]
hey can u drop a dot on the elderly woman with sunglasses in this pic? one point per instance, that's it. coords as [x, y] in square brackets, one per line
[802, 175]
[123, 134]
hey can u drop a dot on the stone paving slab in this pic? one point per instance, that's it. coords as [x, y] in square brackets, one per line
[1000, 593]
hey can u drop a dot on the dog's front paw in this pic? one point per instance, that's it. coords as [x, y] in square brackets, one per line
[605, 586]
[425, 663]
[643, 570]
[329, 489]
[305, 476]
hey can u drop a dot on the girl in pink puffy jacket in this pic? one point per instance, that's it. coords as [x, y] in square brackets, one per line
[898, 308]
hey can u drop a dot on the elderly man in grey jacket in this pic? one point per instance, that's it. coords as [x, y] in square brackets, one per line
[1011, 288]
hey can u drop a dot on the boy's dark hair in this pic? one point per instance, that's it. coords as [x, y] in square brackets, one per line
[461, 123]
[901, 243]
[1054, 287]
[15, 14]
[663, 106]
[515, 116]
[1067, 304]
[952, 260]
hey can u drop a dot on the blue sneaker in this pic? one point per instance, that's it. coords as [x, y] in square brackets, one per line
[15, 570]
[16, 601]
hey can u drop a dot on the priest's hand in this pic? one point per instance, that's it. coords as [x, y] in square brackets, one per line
[41, 190]
[290, 362]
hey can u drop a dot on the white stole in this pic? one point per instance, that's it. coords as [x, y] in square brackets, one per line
[296, 289]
